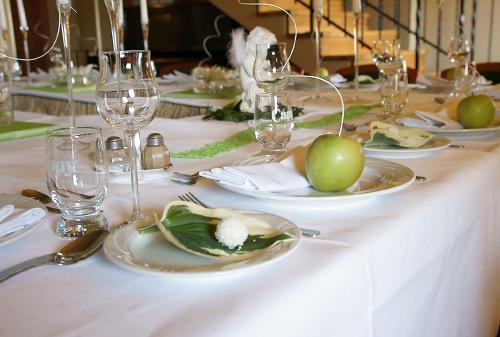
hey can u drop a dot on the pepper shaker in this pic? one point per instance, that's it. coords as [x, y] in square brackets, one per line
[116, 156]
[155, 154]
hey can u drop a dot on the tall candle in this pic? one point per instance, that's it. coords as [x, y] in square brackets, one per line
[22, 14]
[120, 15]
[144, 12]
[3, 18]
[318, 5]
[356, 6]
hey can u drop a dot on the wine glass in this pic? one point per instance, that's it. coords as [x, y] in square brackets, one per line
[386, 54]
[272, 67]
[127, 98]
[394, 93]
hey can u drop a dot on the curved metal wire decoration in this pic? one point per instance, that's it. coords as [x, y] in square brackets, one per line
[209, 37]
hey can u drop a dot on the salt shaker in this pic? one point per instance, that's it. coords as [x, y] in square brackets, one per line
[155, 154]
[116, 155]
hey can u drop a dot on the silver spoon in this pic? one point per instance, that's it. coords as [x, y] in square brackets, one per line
[76, 250]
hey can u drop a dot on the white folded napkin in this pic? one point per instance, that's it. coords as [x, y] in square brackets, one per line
[20, 219]
[5, 211]
[286, 175]
[178, 78]
[431, 121]
[337, 78]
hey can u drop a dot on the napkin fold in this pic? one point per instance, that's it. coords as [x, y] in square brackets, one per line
[285, 175]
[176, 77]
[5, 211]
[431, 121]
[20, 219]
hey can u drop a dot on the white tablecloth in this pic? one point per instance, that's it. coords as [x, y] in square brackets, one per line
[421, 262]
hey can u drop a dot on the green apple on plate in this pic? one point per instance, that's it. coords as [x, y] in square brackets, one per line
[475, 112]
[334, 163]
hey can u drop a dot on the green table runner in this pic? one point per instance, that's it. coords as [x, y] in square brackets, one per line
[19, 130]
[247, 136]
[61, 90]
[191, 94]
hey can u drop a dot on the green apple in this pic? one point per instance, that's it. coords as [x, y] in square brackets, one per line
[334, 163]
[323, 73]
[476, 111]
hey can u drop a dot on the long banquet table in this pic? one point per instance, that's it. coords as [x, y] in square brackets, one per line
[420, 262]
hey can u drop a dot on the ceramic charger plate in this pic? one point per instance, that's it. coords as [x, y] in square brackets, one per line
[152, 254]
[20, 202]
[433, 146]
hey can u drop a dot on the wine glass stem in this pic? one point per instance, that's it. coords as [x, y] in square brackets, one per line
[69, 74]
[131, 136]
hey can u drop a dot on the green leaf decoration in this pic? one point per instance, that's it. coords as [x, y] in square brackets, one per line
[386, 134]
[381, 139]
[247, 136]
[233, 113]
[195, 233]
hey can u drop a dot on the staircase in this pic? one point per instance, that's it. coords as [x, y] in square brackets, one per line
[336, 46]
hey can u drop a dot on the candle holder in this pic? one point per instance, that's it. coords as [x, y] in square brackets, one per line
[65, 9]
[113, 7]
[121, 37]
[357, 15]
[145, 36]
[24, 31]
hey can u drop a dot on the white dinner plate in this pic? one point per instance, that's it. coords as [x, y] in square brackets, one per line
[434, 145]
[379, 177]
[493, 130]
[153, 254]
[20, 202]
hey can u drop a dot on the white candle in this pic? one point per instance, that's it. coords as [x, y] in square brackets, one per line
[318, 5]
[356, 6]
[120, 14]
[22, 14]
[3, 18]
[144, 12]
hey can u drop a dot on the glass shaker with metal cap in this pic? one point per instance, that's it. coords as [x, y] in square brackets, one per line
[116, 156]
[155, 154]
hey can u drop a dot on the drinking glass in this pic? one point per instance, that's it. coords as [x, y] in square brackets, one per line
[127, 98]
[458, 54]
[386, 54]
[394, 93]
[273, 121]
[6, 108]
[77, 178]
[272, 67]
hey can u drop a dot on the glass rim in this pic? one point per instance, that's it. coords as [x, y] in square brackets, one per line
[267, 44]
[126, 52]
[275, 94]
[65, 131]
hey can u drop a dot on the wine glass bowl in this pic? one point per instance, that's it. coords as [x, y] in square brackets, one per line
[272, 67]
[458, 50]
[127, 98]
[386, 55]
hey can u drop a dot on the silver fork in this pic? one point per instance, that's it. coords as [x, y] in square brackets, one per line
[190, 197]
